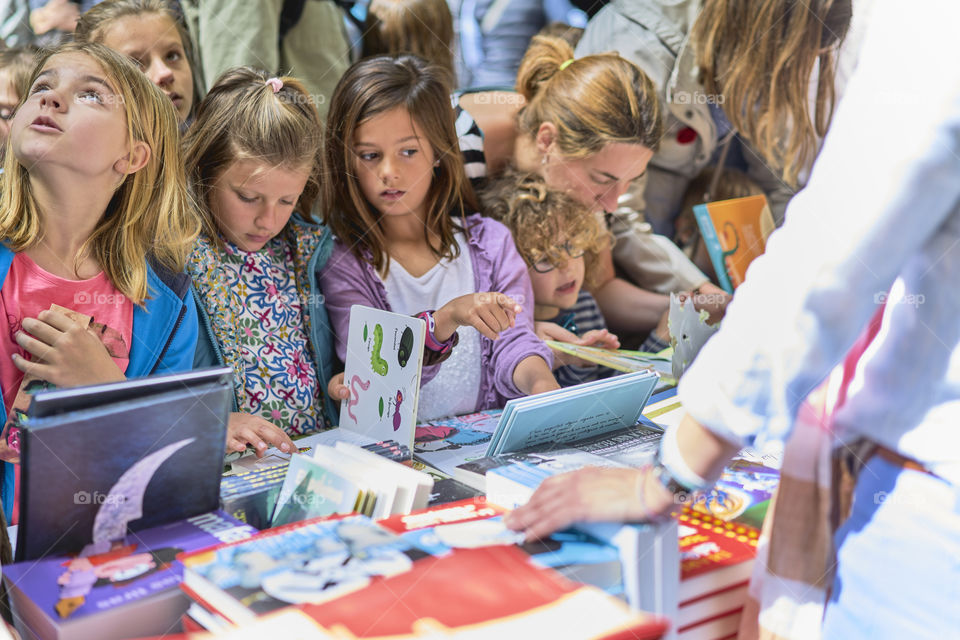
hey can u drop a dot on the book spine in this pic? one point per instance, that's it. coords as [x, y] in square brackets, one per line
[712, 242]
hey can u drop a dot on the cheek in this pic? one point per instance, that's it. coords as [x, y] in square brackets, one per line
[542, 283]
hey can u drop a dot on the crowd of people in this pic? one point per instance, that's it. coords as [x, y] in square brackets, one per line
[210, 182]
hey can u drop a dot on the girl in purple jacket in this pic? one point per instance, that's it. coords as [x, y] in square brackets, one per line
[393, 175]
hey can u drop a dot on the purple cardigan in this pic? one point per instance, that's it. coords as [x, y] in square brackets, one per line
[346, 281]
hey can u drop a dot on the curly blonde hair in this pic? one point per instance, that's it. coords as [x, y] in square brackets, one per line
[539, 218]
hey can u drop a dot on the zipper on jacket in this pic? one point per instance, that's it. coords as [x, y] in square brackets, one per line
[166, 347]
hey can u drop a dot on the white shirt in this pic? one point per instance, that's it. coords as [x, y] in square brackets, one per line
[456, 387]
[882, 207]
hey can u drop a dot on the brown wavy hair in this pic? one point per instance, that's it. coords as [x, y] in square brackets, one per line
[371, 87]
[593, 101]
[538, 217]
[95, 22]
[151, 213]
[759, 55]
[243, 119]
[420, 27]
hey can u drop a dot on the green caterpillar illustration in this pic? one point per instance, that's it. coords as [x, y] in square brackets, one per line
[378, 364]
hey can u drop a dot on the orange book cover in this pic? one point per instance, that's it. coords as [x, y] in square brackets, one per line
[735, 232]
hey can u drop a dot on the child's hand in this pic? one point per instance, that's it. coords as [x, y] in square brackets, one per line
[489, 312]
[336, 390]
[600, 338]
[245, 429]
[64, 353]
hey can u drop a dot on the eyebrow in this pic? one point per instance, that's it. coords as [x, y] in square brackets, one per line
[87, 78]
[608, 175]
[371, 144]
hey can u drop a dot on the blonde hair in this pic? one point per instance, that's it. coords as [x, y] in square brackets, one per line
[96, 21]
[592, 101]
[150, 214]
[242, 118]
[371, 87]
[19, 62]
[759, 56]
[420, 27]
[538, 217]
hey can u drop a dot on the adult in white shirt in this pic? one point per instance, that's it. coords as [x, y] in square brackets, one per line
[880, 213]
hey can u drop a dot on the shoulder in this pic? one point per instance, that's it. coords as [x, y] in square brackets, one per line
[178, 282]
[487, 232]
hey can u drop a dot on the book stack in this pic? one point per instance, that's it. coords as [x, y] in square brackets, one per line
[358, 579]
[716, 560]
[251, 495]
[129, 591]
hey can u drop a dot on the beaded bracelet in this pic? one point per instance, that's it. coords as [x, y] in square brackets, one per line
[431, 339]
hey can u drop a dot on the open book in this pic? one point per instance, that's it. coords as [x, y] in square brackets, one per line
[734, 232]
[572, 414]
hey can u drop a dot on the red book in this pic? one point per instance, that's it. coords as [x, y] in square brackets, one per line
[714, 555]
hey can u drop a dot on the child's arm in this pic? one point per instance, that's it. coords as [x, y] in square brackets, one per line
[594, 338]
[489, 312]
[245, 429]
[64, 353]
[533, 375]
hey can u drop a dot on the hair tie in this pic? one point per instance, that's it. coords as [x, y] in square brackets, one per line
[276, 84]
[565, 64]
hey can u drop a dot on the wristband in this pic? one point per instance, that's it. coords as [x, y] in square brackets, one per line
[430, 340]
[673, 471]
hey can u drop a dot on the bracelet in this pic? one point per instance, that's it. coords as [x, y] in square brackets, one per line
[672, 470]
[648, 514]
[431, 339]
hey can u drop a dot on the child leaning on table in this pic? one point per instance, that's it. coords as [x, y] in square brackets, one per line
[559, 239]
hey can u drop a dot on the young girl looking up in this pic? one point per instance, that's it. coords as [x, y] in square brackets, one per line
[559, 239]
[151, 33]
[392, 177]
[253, 158]
[94, 218]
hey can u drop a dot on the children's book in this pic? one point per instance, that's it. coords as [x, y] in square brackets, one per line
[311, 561]
[447, 442]
[473, 523]
[313, 489]
[130, 590]
[251, 495]
[382, 371]
[485, 592]
[714, 555]
[563, 416]
[623, 360]
[734, 232]
[122, 456]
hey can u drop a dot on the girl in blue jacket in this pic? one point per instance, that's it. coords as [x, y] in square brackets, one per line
[96, 228]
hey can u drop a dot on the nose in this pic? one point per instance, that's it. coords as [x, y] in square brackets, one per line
[608, 199]
[159, 73]
[51, 99]
[267, 217]
[386, 170]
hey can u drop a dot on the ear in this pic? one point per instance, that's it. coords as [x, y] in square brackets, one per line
[136, 159]
[546, 137]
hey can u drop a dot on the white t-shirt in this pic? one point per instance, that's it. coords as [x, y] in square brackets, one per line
[456, 387]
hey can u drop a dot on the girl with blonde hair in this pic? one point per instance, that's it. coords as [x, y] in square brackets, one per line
[253, 163]
[96, 222]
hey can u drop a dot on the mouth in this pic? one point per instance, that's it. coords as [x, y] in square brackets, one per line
[568, 287]
[44, 123]
[175, 98]
[259, 238]
[391, 194]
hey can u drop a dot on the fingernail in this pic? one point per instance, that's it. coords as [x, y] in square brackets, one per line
[261, 445]
[285, 447]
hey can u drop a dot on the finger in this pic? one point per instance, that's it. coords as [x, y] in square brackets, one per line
[482, 321]
[562, 335]
[499, 317]
[58, 320]
[42, 331]
[39, 350]
[236, 444]
[276, 437]
[341, 392]
[33, 368]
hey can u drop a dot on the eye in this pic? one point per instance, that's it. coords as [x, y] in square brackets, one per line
[244, 198]
[40, 86]
[6, 113]
[601, 180]
[367, 156]
[174, 56]
[287, 203]
[409, 153]
[90, 95]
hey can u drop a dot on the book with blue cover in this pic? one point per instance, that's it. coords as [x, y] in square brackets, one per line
[574, 413]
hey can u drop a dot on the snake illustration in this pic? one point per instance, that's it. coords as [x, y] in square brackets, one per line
[377, 363]
[354, 396]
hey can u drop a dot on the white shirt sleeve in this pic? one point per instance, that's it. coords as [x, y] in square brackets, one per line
[881, 204]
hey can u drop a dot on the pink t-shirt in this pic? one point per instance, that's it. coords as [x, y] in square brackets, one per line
[28, 290]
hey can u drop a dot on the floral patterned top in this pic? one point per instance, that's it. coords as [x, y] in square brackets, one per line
[280, 378]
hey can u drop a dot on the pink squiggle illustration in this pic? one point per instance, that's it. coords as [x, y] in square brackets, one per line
[354, 397]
